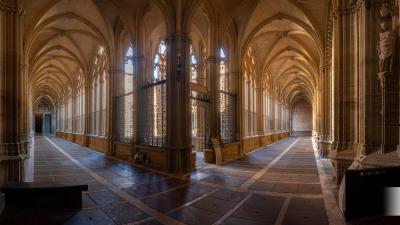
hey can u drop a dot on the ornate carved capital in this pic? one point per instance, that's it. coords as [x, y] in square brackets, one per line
[11, 8]
[177, 37]
[350, 7]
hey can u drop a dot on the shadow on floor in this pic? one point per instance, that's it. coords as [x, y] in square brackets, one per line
[21, 216]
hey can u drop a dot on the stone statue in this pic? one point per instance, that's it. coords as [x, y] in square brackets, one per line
[386, 40]
[385, 48]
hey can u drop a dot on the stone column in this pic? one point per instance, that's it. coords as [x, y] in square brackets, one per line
[260, 105]
[325, 107]
[178, 138]
[140, 70]
[88, 103]
[14, 134]
[346, 79]
[114, 83]
[211, 67]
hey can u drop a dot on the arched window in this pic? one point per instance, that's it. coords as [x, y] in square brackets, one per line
[153, 125]
[223, 70]
[69, 111]
[99, 94]
[227, 102]
[80, 104]
[128, 71]
[193, 66]
[125, 100]
[160, 63]
[250, 114]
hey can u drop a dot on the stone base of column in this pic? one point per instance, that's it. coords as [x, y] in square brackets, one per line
[325, 148]
[181, 160]
[340, 165]
[12, 157]
[343, 155]
[11, 170]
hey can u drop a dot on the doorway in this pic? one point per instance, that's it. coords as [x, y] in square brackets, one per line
[47, 124]
[38, 123]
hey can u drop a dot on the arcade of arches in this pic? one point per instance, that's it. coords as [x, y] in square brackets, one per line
[165, 84]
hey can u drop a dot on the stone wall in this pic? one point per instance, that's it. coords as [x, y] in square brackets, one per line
[302, 117]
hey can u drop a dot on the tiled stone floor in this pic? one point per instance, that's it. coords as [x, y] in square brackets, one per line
[278, 184]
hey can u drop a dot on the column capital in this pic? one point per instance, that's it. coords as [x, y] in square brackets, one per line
[114, 70]
[11, 8]
[350, 7]
[177, 37]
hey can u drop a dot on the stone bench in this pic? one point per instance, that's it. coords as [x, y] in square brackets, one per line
[43, 195]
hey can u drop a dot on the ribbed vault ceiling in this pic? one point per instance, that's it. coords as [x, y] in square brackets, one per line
[286, 38]
[286, 45]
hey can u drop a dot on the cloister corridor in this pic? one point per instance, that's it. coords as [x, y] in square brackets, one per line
[241, 112]
[283, 183]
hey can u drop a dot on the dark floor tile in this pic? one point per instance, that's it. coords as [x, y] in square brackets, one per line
[105, 197]
[194, 216]
[310, 189]
[90, 216]
[182, 195]
[162, 203]
[96, 186]
[142, 178]
[214, 205]
[228, 195]
[226, 181]
[151, 222]
[87, 202]
[296, 217]
[124, 213]
[260, 208]
[306, 204]
[199, 188]
[238, 221]
[262, 186]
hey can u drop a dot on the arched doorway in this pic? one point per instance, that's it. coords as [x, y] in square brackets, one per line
[301, 119]
[44, 117]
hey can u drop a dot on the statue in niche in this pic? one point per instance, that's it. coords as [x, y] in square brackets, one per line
[386, 41]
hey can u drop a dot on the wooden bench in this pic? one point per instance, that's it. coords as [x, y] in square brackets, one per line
[43, 195]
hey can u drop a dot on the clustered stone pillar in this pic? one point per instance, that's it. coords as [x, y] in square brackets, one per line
[260, 106]
[364, 85]
[213, 77]
[345, 87]
[178, 139]
[14, 135]
[325, 137]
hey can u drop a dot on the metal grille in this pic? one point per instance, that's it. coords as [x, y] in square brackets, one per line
[199, 118]
[153, 125]
[125, 120]
[227, 116]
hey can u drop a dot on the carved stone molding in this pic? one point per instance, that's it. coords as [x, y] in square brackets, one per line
[14, 151]
[350, 8]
